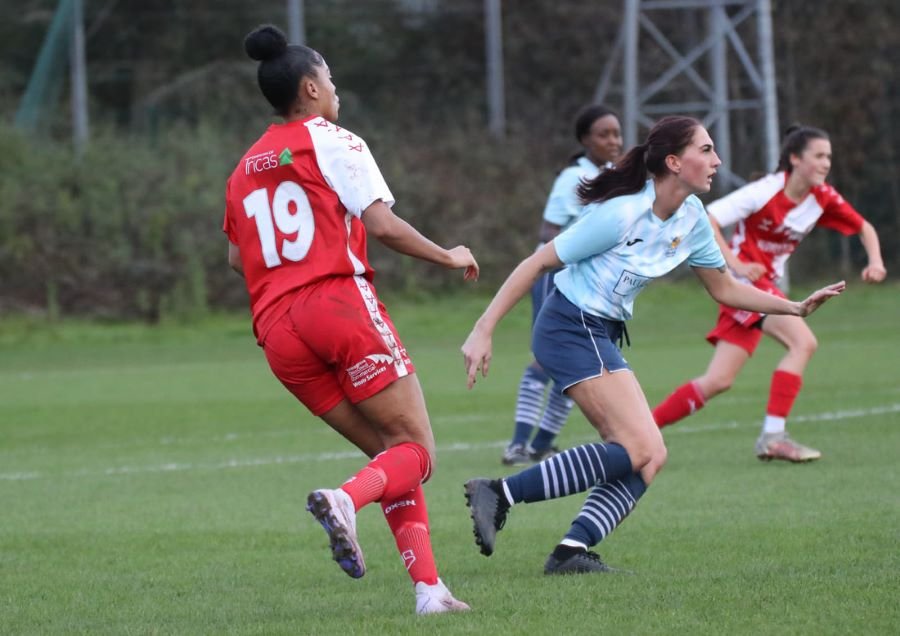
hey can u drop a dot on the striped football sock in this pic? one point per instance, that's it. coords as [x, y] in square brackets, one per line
[573, 470]
[529, 402]
[605, 508]
[555, 415]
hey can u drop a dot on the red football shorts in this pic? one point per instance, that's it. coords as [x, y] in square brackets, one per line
[336, 341]
[740, 327]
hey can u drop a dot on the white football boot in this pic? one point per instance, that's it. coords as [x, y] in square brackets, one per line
[436, 599]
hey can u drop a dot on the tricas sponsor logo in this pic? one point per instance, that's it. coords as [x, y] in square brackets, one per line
[255, 164]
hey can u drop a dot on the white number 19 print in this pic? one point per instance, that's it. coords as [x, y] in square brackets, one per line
[256, 205]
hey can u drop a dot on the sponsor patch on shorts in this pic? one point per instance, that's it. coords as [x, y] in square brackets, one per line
[369, 367]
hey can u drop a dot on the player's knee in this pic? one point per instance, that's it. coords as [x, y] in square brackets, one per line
[427, 459]
[656, 458]
[715, 385]
[431, 454]
[662, 457]
[648, 451]
[659, 457]
[806, 346]
[430, 468]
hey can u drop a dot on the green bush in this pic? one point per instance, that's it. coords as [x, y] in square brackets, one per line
[133, 228]
[128, 230]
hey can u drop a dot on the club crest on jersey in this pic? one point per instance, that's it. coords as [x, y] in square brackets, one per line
[673, 245]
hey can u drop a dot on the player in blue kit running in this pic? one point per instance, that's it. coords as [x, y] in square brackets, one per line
[597, 130]
[642, 220]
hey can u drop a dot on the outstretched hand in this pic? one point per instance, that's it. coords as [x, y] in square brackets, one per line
[818, 297]
[476, 352]
[461, 257]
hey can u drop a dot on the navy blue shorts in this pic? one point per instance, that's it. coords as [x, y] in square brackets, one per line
[572, 345]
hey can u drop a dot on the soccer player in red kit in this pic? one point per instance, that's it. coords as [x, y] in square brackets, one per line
[299, 206]
[772, 215]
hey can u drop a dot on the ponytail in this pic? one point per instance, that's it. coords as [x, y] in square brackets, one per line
[627, 177]
[669, 136]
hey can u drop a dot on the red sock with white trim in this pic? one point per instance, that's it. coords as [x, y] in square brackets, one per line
[407, 517]
[683, 401]
[390, 474]
[783, 391]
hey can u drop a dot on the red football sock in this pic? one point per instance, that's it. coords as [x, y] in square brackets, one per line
[391, 473]
[784, 389]
[407, 517]
[685, 400]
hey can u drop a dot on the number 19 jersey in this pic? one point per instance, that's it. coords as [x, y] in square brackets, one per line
[293, 206]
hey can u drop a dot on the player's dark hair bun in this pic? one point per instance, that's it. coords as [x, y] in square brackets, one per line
[265, 43]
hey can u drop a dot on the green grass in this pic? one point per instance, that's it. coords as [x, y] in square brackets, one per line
[152, 482]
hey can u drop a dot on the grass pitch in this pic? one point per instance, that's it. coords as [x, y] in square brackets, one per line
[152, 481]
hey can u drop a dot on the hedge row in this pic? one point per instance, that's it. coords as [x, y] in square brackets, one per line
[132, 229]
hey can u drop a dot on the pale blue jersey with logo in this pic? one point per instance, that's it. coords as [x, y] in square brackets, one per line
[563, 205]
[617, 247]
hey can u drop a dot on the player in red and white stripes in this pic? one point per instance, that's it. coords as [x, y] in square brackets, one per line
[771, 216]
[299, 207]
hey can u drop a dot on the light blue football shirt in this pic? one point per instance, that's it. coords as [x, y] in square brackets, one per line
[563, 205]
[617, 247]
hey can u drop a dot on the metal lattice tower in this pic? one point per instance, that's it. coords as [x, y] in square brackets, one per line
[701, 71]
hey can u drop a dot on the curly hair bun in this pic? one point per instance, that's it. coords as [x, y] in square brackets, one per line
[265, 43]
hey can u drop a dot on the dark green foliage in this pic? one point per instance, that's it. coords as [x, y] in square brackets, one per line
[133, 230]
[130, 230]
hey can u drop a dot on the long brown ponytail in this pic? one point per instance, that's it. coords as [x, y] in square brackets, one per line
[669, 136]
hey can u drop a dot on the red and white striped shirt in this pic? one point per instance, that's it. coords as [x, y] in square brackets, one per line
[770, 225]
[293, 207]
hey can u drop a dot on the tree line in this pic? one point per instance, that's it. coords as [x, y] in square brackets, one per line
[132, 228]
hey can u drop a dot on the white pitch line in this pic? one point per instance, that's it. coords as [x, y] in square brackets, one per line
[848, 414]
[353, 454]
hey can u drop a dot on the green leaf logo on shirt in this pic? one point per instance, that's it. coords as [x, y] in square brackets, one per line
[285, 157]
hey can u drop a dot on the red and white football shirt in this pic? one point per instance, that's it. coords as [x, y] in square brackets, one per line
[770, 226]
[293, 207]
